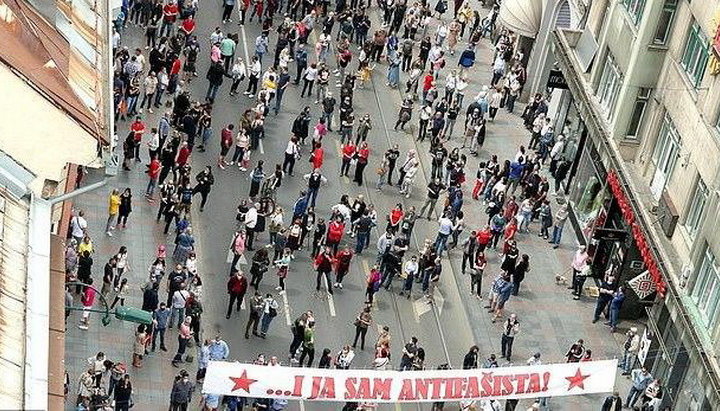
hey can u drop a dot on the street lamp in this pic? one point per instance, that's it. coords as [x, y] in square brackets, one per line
[130, 314]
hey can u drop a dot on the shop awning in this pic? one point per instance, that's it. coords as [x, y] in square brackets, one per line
[521, 16]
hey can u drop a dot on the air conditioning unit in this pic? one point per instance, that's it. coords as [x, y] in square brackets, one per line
[668, 214]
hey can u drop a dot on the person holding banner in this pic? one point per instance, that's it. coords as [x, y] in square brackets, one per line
[298, 331]
[344, 358]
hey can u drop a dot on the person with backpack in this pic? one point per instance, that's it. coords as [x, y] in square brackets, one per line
[372, 280]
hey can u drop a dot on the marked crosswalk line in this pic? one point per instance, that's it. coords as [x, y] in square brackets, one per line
[286, 308]
[331, 301]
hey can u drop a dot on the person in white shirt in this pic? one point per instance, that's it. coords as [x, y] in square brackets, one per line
[460, 87]
[408, 179]
[309, 79]
[179, 299]
[154, 143]
[251, 218]
[450, 85]
[409, 273]
[441, 33]
[162, 84]
[216, 36]
[445, 228]
[284, 58]
[78, 225]
[344, 358]
[292, 152]
[495, 100]
[255, 69]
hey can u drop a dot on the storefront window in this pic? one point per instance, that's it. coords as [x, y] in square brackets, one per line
[589, 191]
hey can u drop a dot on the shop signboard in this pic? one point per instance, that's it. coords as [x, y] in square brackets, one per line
[556, 79]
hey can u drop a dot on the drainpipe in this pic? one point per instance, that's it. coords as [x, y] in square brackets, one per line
[37, 282]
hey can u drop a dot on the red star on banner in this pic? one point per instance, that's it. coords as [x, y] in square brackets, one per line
[577, 380]
[242, 382]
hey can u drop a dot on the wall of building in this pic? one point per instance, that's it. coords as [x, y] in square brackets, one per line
[693, 111]
[14, 215]
[689, 343]
[39, 135]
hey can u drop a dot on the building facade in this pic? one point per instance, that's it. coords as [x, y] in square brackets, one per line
[642, 114]
[55, 111]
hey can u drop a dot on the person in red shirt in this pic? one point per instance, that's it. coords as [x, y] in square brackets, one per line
[427, 83]
[236, 287]
[183, 155]
[394, 218]
[323, 264]
[316, 158]
[138, 129]
[348, 153]
[335, 232]
[153, 173]
[483, 238]
[342, 265]
[174, 73]
[509, 234]
[363, 154]
[188, 27]
[226, 141]
[511, 208]
[170, 13]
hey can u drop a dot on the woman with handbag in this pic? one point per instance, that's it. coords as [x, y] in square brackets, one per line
[362, 323]
[362, 155]
[237, 249]
[283, 266]
[141, 338]
[270, 311]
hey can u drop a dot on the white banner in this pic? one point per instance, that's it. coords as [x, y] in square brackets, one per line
[552, 380]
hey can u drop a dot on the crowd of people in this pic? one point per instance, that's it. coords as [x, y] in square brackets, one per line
[319, 47]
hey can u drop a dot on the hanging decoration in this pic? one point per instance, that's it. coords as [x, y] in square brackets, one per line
[640, 240]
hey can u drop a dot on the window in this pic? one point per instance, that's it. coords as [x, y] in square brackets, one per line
[696, 208]
[609, 86]
[695, 56]
[667, 148]
[662, 32]
[706, 290]
[635, 8]
[638, 112]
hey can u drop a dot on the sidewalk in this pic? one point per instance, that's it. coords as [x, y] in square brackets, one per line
[152, 383]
